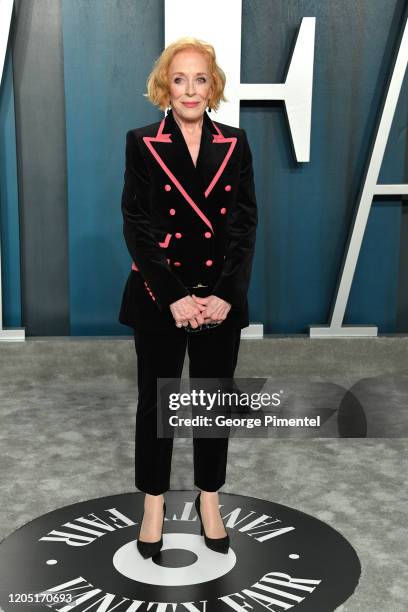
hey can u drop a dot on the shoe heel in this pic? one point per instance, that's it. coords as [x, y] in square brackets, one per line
[220, 545]
[150, 549]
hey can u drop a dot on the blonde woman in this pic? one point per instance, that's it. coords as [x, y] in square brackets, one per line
[190, 218]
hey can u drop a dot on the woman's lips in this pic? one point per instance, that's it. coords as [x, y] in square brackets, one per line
[190, 104]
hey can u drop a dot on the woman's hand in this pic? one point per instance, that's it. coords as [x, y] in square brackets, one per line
[187, 310]
[215, 309]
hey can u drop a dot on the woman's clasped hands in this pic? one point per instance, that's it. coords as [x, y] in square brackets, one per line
[198, 311]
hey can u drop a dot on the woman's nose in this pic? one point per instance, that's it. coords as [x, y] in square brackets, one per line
[190, 88]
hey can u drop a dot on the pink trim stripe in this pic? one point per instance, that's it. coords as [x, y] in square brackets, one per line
[217, 138]
[165, 242]
[221, 139]
[217, 128]
[161, 126]
[148, 142]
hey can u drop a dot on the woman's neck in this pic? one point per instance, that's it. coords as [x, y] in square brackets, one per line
[189, 127]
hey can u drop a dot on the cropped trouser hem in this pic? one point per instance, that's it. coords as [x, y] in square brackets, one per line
[152, 491]
[210, 488]
[213, 355]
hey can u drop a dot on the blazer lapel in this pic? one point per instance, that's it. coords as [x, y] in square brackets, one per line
[195, 183]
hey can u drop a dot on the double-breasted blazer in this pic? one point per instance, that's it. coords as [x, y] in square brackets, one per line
[189, 229]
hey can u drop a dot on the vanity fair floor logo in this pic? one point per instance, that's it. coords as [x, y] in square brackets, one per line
[84, 557]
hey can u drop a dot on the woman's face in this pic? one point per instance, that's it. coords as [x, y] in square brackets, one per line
[190, 84]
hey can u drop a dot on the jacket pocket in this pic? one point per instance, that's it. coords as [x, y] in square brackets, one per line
[162, 237]
[165, 242]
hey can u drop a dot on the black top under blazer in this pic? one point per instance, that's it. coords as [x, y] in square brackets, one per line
[189, 229]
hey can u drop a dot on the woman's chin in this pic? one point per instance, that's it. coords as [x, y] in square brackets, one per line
[190, 114]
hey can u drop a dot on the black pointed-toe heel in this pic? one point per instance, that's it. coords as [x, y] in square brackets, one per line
[220, 545]
[150, 549]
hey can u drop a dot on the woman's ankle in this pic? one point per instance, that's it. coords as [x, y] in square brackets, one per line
[209, 494]
[154, 499]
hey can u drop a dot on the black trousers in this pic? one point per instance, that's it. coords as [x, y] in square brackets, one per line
[212, 353]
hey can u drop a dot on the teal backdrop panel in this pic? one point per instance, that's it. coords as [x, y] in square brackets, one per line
[109, 48]
[305, 209]
[9, 219]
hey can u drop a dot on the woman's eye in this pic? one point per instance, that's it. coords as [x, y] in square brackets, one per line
[178, 79]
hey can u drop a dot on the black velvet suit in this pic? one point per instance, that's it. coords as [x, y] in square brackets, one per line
[189, 229]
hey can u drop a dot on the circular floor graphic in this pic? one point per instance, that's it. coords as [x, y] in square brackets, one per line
[84, 557]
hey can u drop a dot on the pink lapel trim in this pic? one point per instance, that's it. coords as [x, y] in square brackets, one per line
[165, 138]
[218, 138]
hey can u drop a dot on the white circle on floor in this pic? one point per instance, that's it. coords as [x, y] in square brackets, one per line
[210, 565]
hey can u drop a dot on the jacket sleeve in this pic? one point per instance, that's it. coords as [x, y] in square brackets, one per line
[233, 283]
[148, 256]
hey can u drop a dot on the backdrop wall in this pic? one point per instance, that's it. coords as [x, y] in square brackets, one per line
[76, 72]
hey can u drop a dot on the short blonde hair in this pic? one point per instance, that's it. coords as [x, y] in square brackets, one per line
[158, 81]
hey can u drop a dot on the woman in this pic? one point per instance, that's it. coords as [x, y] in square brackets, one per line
[190, 218]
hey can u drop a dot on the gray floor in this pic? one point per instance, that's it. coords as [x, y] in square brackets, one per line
[56, 449]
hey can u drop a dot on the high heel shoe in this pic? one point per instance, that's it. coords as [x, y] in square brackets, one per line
[220, 545]
[150, 549]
